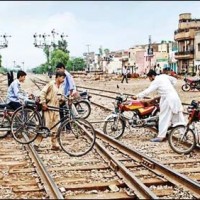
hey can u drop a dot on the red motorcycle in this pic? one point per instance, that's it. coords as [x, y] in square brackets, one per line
[183, 139]
[190, 84]
[144, 114]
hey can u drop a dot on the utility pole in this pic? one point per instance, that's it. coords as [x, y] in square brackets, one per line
[149, 52]
[88, 45]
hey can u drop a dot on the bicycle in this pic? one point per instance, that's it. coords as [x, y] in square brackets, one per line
[76, 136]
[5, 119]
[183, 139]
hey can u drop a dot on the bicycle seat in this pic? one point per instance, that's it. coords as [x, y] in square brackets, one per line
[3, 105]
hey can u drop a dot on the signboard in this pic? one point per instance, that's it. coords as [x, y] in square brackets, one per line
[150, 51]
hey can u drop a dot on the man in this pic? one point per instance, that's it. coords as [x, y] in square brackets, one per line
[49, 97]
[69, 87]
[125, 74]
[69, 84]
[170, 103]
[15, 92]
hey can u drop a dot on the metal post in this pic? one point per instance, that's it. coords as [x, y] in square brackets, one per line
[88, 57]
[149, 49]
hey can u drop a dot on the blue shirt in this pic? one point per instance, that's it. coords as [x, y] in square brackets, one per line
[68, 83]
[15, 92]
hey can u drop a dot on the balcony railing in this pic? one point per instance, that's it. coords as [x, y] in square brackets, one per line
[184, 34]
[184, 54]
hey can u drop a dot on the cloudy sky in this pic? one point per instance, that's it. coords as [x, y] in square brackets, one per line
[114, 25]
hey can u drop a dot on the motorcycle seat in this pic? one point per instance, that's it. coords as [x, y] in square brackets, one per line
[83, 93]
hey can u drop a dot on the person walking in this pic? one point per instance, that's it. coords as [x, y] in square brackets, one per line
[124, 74]
[49, 97]
[171, 109]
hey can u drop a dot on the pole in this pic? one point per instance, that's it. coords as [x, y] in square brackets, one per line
[149, 49]
[88, 57]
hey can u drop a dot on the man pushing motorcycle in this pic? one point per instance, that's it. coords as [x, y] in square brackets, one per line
[171, 109]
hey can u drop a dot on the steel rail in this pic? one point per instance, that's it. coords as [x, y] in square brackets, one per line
[139, 188]
[156, 167]
[50, 186]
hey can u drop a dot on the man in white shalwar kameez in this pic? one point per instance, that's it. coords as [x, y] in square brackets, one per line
[171, 109]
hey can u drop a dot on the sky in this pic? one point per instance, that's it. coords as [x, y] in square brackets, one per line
[115, 25]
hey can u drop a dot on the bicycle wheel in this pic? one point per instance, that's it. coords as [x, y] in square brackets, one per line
[186, 87]
[4, 125]
[77, 138]
[83, 108]
[114, 127]
[25, 123]
[181, 139]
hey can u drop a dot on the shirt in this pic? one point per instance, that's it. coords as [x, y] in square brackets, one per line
[15, 92]
[164, 85]
[69, 83]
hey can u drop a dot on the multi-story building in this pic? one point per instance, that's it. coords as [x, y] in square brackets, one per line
[185, 36]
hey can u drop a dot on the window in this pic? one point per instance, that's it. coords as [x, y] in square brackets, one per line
[198, 46]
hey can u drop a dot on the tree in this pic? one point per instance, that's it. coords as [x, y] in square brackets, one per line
[62, 45]
[76, 64]
[58, 56]
[106, 51]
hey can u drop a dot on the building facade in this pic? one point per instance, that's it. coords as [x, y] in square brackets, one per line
[185, 36]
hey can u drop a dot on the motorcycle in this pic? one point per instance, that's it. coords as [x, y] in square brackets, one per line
[85, 95]
[190, 84]
[144, 114]
[183, 139]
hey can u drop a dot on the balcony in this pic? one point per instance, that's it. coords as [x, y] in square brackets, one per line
[184, 54]
[184, 35]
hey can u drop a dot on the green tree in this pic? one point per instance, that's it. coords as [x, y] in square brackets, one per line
[106, 51]
[62, 45]
[58, 56]
[76, 64]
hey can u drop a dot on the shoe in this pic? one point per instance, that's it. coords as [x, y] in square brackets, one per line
[55, 148]
[157, 139]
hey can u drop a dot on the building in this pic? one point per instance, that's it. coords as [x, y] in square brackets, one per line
[187, 46]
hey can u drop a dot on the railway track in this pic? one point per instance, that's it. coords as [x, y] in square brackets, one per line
[111, 95]
[113, 169]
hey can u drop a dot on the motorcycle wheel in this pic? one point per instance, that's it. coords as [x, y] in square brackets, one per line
[83, 108]
[181, 139]
[186, 87]
[114, 128]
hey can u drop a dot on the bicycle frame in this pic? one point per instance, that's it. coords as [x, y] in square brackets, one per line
[57, 109]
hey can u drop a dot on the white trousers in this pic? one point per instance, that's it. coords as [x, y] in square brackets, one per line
[168, 118]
